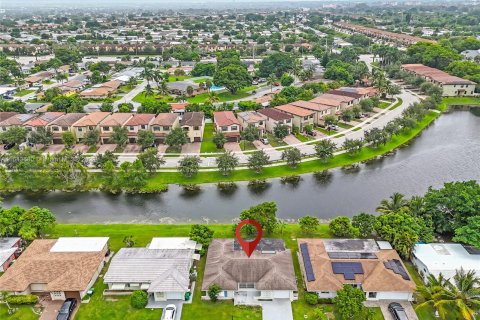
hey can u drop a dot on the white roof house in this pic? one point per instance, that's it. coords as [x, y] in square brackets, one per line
[174, 243]
[445, 258]
[79, 244]
[8, 246]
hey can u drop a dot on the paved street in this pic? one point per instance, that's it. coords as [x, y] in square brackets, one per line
[127, 98]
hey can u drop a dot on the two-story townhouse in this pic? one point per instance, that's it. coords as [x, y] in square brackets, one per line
[110, 122]
[354, 95]
[321, 110]
[253, 118]
[276, 118]
[63, 124]
[163, 124]
[345, 102]
[42, 121]
[88, 123]
[193, 124]
[16, 121]
[139, 122]
[301, 117]
[337, 105]
[227, 123]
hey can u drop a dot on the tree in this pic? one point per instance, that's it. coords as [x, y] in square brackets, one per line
[349, 302]
[101, 159]
[15, 135]
[250, 133]
[347, 115]
[366, 105]
[176, 138]
[271, 80]
[145, 139]
[189, 90]
[203, 69]
[129, 241]
[293, 156]
[125, 107]
[280, 131]
[277, 63]
[375, 137]
[227, 162]
[132, 176]
[469, 233]
[68, 139]
[365, 223]
[219, 139]
[257, 160]
[341, 227]
[96, 77]
[92, 137]
[264, 213]
[189, 165]
[395, 203]
[213, 292]
[151, 159]
[34, 222]
[201, 234]
[139, 299]
[309, 224]
[286, 80]
[324, 150]
[41, 135]
[232, 77]
[352, 146]
[119, 136]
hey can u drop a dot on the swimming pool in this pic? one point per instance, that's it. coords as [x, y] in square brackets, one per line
[216, 88]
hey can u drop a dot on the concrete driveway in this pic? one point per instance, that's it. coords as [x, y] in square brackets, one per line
[384, 307]
[193, 147]
[259, 145]
[291, 139]
[232, 146]
[279, 309]
[132, 148]
[54, 148]
[81, 147]
[162, 148]
[106, 147]
[50, 309]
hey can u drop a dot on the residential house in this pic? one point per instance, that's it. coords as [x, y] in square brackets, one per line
[253, 118]
[6, 115]
[63, 124]
[321, 110]
[452, 86]
[337, 105]
[301, 117]
[181, 88]
[373, 266]
[139, 122]
[72, 86]
[275, 118]
[345, 101]
[101, 91]
[266, 275]
[37, 78]
[63, 268]
[179, 108]
[348, 94]
[110, 122]
[445, 258]
[227, 123]
[36, 107]
[88, 123]
[366, 92]
[16, 121]
[10, 249]
[162, 269]
[42, 121]
[163, 124]
[193, 124]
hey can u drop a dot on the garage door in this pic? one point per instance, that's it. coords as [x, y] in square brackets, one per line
[197, 139]
[175, 296]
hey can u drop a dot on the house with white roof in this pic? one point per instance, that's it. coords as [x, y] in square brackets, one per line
[9, 248]
[445, 258]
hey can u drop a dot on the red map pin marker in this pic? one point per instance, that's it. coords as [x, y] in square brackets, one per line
[249, 246]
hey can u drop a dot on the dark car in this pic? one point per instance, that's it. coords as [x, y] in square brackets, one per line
[67, 308]
[9, 146]
[397, 311]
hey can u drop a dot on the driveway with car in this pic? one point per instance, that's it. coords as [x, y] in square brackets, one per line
[260, 145]
[384, 307]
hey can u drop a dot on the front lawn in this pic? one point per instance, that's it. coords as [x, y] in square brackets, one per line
[222, 96]
[125, 89]
[324, 131]
[207, 143]
[384, 104]
[274, 142]
[22, 93]
[22, 313]
[303, 138]
[141, 98]
[468, 101]
[247, 145]
[344, 125]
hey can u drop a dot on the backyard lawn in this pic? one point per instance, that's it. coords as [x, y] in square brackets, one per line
[177, 78]
[22, 93]
[23, 313]
[207, 143]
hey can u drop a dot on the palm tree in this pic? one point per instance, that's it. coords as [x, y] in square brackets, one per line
[148, 90]
[163, 89]
[427, 292]
[396, 202]
[271, 81]
[213, 97]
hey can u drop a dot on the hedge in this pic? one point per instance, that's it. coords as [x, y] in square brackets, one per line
[22, 299]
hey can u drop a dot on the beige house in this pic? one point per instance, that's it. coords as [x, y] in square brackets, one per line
[321, 110]
[42, 121]
[63, 124]
[227, 123]
[88, 123]
[275, 118]
[63, 268]
[110, 122]
[193, 124]
[301, 117]
[16, 120]
[163, 124]
[139, 122]
[253, 118]
[340, 103]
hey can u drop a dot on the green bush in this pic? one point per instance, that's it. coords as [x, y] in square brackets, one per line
[311, 298]
[139, 299]
[22, 299]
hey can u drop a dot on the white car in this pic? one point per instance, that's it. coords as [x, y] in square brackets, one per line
[170, 311]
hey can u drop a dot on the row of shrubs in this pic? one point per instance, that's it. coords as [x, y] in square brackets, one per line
[22, 299]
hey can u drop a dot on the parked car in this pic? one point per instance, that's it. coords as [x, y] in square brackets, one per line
[311, 133]
[397, 311]
[170, 311]
[67, 308]
[264, 140]
[9, 146]
[332, 127]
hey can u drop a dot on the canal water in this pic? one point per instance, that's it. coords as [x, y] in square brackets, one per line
[449, 150]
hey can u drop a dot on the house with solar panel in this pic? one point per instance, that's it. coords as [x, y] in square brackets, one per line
[373, 266]
[268, 275]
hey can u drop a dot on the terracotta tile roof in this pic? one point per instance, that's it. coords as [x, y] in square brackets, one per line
[252, 116]
[435, 74]
[370, 91]
[346, 94]
[140, 119]
[225, 118]
[96, 92]
[297, 111]
[93, 119]
[376, 276]
[165, 119]
[192, 119]
[228, 267]
[60, 271]
[67, 120]
[337, 97]
[6, 115]
[117, 119]
[179, 106]
[311, 105]
[18, 119]
[44, 119]
[275, 114]
[326, 100]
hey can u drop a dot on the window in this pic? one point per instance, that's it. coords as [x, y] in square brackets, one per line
[143, 126]
[166, 128]
[224, 128]
[80, 129]
[234, 128]
[131, 128]
[246, 285]
[196, 128]
[91, 128]
[261, 123]
[305, 118]
[55, 128]
[57, 294]
[156, 128]
[64, 128]
[106, 128]
[289, 120]
[372, 294]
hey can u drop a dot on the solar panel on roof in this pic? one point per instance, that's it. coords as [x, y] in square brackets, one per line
[348, 269]
[306, 262]
[349, 276]
[352, 255]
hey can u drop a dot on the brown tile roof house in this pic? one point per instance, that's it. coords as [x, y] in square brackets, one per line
[165, 119]
[435, 74]
[269, 268]
[101, 90]
[346, 94]
[367, 91]
[6, 115]
[327, 100]
[341, 98]
[311, 105]
[93, 119]
[370, 257]
[44, 119]
[252, 117]
[116, 119]
[17, 120]
[192, 119]
[275, 114]
[67, 120]
[225, 118]
[296, 111]
[66, 265]
[140, 119]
